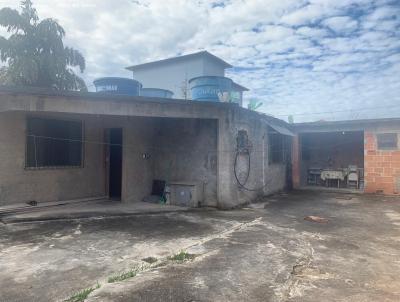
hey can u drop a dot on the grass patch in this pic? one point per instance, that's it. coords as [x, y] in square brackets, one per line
[82, 295]
[182, 256]
[123, 276]
[150, 260]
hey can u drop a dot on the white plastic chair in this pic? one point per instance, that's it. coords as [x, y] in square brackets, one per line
[352, 177]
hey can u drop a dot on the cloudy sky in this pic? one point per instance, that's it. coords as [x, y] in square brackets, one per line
[315, 59]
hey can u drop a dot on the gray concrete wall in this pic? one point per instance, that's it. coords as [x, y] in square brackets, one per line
[18, 184]
[117, 105]
[264, 178]
[186, 150]
[137, 172]
[139, 117]
[177, 149]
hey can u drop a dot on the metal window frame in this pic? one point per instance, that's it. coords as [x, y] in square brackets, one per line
[396, 145]
[281, 148]
[83, 145]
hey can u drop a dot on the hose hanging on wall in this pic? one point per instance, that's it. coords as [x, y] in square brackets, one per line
[244, 148]
[242, 184]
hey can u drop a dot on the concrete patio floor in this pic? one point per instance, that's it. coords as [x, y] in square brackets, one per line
[265, 252]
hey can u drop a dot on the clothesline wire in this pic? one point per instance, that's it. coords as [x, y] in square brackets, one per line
[179, 150]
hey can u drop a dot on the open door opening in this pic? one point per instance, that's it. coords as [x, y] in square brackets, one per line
[115, 163]
[333, 159]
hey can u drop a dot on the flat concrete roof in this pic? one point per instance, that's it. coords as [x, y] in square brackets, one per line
[13, 90]
[181, 58]
[342, 125]
[200, 109]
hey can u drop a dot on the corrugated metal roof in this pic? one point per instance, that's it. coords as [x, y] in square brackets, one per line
[345, 125]
[281, 130]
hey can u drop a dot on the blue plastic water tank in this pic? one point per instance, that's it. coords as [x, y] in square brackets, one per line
[209, 88]
[156, 92]
[114, 85]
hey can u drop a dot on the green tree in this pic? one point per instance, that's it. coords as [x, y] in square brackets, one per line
[254, 104]
[34, 52]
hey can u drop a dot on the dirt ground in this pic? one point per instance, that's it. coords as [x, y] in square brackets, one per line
[265, 252]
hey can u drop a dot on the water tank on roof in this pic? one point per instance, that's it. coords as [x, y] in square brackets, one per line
[156, 92]
[114, 85]
[211, 88]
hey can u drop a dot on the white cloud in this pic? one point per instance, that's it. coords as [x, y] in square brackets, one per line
[312, 32]
[297, 56]
[341, 24]
[385, 12]
[307, 14]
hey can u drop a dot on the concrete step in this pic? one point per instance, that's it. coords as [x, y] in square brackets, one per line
[25, 207]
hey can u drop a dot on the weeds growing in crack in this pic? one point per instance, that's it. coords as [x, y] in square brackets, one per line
[126, 275]
[182, 256]
[123, 276]
[82, 295]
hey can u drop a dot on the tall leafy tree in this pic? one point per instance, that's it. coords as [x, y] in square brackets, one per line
[35, 54]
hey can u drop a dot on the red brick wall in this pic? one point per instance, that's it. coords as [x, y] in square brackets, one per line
[381, 167]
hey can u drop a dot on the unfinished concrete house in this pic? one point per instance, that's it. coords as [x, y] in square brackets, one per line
[68, 146]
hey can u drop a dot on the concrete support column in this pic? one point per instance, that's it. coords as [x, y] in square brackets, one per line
[296, 162]
[227, 188]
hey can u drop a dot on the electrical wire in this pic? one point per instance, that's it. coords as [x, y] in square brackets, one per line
[247, 152]
[181, 150]
[240, 183]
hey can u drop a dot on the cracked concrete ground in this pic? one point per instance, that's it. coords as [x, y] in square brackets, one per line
[266, 252]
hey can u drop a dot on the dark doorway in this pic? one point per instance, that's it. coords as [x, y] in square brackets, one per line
[115, 165]
[333, 159]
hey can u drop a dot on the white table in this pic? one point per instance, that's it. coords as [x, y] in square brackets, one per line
[338, 175]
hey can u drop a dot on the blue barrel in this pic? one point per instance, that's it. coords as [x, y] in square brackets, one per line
[210, 88]
[114, 85]
[156, 93]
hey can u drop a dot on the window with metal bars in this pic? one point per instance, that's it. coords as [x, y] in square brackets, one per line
[276, 148]
[387, 141]
[53, 143]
